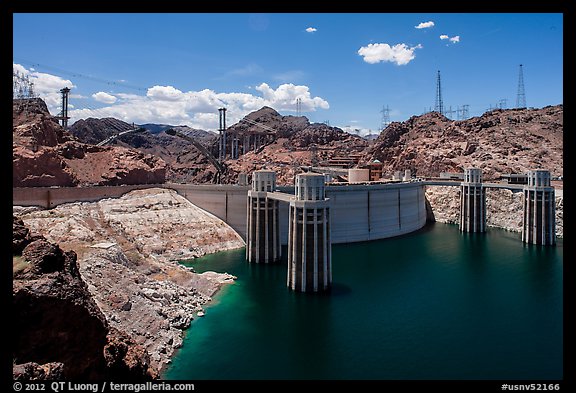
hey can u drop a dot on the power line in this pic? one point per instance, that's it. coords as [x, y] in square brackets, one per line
[79, 75]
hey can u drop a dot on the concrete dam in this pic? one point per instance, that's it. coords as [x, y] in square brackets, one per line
[358, 212]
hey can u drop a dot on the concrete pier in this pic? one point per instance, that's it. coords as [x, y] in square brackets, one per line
[539, 218]
[472, 202]
[309, 245]
[262, 221]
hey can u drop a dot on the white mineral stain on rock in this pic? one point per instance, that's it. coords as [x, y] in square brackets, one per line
[128, 250]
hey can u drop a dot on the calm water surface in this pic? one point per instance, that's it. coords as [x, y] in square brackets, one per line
[435, 304]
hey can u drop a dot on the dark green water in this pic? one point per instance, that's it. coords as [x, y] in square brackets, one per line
[436, 304]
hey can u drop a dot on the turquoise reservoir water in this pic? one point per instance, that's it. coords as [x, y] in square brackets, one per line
[435, 304]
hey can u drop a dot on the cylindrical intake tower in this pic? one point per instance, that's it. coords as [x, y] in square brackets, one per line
[472, 202]
[539, 219]
[262, 226]
[309, 245]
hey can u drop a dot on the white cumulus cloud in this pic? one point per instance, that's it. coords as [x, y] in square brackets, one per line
[400, 54]
[284, 97]
[199, 109]
[46, 86]
[311, 29]
[104, 97]
[164, 93]
[453, 40]
[424, 25]
[169, 105]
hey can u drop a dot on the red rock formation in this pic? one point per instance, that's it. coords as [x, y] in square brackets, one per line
[58, 330]
[44, 154]
[293, 143]
[498, 142]
[38, 372]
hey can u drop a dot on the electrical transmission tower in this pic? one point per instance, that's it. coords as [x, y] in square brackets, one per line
[439, 105]
[222, 135]
[63, 115]
[521, 97]
[465, 111]
[450, 112]
[299, 106]
[22, 86]
[385, 117]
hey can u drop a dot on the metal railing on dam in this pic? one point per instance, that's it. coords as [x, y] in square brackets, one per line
[359, 212]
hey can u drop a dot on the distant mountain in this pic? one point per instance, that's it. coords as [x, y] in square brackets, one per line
[371, 137]
[93, 130]
[155, 128]
[195, 133]
[185, 162]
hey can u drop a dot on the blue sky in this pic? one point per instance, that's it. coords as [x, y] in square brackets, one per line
[180, 68]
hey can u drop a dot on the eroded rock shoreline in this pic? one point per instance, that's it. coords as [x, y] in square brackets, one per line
[128, 251]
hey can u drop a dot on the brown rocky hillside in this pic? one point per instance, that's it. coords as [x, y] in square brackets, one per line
[44, 154]
[185, 164]
[292, 143]
[498, 142]
[59, 331]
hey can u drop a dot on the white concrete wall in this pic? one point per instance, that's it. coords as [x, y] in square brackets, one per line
[394, 209]
[227, 202]
[361, 213]
[358, 212]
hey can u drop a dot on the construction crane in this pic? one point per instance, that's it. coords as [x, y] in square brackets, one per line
[220, 167]
[112, 137]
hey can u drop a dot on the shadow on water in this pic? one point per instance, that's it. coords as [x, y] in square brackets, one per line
[339, 289]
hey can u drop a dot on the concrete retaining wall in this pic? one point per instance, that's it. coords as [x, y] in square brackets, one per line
[49, 197]
[227, 202]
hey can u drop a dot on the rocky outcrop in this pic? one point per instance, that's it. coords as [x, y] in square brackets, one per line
[129, 249]
[498, 142]
[60, 333]
[44, 154]
[293, 143]
[21, 236]
[184, 163]
[38, 372]
[33, 126]
[503, 207]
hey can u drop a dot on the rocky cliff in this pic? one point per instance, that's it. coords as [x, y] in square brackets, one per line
[184, 163]
[284, 144]
[291, 142]
[128, 249]
[503, 207]
[44, 154]
[59, 331]
[498, 142]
